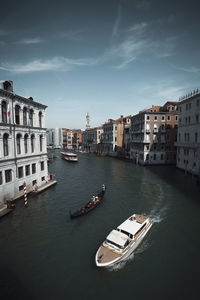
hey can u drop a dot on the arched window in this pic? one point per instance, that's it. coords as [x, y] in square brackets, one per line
[4, 111]
[31, 117]
[25, 116]
[32, 143]
[5, 144]
[18, 142]
[26, 143]
[41, 137]
[17, 114]
[40, 119]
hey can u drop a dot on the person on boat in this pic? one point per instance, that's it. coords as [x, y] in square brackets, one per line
[103, 187]
[93, 199]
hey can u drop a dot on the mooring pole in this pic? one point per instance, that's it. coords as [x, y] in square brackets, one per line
[25, 195]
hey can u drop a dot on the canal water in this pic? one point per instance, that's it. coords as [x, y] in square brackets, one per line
[46, 255]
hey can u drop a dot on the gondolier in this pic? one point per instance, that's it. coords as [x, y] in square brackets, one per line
[96, 200]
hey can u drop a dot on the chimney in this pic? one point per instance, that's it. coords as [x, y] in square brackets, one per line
[7, 85]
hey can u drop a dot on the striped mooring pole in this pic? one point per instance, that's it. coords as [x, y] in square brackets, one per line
[25, 195]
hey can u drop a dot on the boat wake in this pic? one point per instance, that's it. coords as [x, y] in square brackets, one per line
[159, 211]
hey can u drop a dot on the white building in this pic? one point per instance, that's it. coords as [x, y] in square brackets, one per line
[188, 143]
[23, 155]
[55, 137]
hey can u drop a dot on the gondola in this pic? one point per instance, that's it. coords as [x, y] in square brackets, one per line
[94, 202]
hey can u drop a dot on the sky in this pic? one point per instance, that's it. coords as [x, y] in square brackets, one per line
[108, 58]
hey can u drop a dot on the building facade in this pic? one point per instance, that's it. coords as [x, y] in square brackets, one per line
[188, 142]
[71, 138]
[23, 155]
[92, 137]
[153, 135]
[54, 138]
[113, 135]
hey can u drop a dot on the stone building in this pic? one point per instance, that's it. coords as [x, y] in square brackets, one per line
[153, 134]
[23, 155]
[71, 138]
[92, 137]
[113, 135]
[188, 142]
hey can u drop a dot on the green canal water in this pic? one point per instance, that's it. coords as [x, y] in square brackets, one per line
[46, 255]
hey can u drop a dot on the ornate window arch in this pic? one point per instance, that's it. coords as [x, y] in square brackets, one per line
[41, 143]
[17, 114]
[25, 116]
[4, 111]
[5, 144]
[31, 117]
[26, 143]
[18, 143]
[32, 143]
[40, 119]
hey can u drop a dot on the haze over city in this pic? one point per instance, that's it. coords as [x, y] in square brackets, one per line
[106, 58]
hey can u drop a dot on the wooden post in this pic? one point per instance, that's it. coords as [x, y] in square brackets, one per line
[25, 195]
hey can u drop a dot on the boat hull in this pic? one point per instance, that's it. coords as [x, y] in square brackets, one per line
[126, 254]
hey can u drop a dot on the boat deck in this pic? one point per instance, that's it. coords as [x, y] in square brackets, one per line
[107, 254]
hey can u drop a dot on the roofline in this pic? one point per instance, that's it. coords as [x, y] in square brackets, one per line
[26, 100]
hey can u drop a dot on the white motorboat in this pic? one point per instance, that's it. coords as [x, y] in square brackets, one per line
[69, 156]
[121, 242]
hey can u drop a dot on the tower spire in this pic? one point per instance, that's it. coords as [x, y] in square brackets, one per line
[87, 121]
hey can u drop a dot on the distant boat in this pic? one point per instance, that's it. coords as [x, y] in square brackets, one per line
[121, 242]
[94, 202]
[69, 156]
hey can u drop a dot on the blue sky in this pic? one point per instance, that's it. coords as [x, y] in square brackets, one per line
[108, 58]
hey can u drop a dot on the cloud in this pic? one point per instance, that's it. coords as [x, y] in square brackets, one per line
[167, 90]
[189, 70]
[127, 51]
[29, 41]
[137, 28]
[115, 30]
[54, 64]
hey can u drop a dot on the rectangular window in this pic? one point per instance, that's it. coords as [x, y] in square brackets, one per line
[42, 165]
[1, 178]
[33, 168]
[155, 118]
[20, 172]
[27, 170]
[8, 175]
[43, 178]
[148, 118]
[21, 187]
[196, 137]
[163, 118]
[168, 118]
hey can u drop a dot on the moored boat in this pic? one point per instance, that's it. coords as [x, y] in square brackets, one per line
[121, 242]
[69, 156]
[94, 202]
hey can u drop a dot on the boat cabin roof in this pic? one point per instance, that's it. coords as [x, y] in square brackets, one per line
[68, 154]
[117, 238]
[132, 225]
